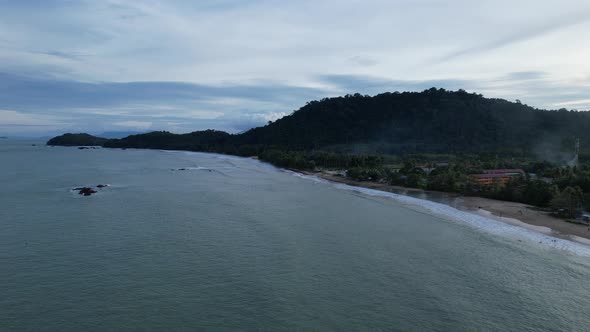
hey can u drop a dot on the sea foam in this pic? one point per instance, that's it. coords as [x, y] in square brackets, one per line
[483, 223]
[479, 222]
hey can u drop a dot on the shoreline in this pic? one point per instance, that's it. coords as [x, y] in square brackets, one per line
[513, 213]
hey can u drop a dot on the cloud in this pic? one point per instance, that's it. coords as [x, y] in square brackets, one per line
[14, 118]
[532, 87]
[17, 123]
[52, 94]
[346, 84]
[230, 64]
[574, 102]
[521, 35]
[97, 105]
[142, 125]
[524, 75]
[65, 55]
[583, 104]
[363, 60]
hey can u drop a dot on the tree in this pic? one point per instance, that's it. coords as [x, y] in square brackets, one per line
[568, 202]
[416, 180]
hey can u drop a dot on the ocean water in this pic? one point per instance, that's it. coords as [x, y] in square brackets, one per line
[235, 244]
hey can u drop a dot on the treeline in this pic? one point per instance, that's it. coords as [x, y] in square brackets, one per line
[568, 192]
[434, 120]
[208, 140]
[77, 140]
[314, 159]
[365, 135]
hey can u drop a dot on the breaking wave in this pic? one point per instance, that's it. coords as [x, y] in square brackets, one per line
[479, 222]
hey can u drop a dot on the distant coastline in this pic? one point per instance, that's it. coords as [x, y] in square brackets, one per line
[514, 213]
[449, 141]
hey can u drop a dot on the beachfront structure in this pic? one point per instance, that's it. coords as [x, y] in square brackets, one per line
[500, 177]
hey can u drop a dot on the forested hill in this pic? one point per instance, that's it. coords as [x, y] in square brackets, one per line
[430, 121]
[434, 120]
[77, 140]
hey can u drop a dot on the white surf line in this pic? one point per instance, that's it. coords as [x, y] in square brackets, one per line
[488, 224]
[507, 228]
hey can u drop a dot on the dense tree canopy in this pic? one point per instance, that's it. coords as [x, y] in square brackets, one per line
[429, 121]
[433, 120]
[77, 140]
[367, 136]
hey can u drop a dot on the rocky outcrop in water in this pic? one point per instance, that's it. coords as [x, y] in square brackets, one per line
[87, 191]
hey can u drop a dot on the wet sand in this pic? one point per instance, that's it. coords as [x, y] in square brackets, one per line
[517, 214]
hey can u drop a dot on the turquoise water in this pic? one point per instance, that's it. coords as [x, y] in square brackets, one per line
[235, 244]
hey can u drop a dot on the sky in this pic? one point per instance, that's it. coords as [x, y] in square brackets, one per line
[117, 65]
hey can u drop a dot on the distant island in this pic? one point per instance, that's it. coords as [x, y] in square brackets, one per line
[450, 141]
[77, 140]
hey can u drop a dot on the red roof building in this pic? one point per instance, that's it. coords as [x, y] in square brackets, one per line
[508, 171]
[497, 176]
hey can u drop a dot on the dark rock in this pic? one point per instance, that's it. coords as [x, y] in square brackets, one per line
[102, 186]
[86, 191]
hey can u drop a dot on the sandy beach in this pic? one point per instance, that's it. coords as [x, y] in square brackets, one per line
[517, 214]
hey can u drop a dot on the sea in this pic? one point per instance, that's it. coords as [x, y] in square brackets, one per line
[183, 241]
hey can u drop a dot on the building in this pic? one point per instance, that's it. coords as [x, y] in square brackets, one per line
[486, 180]
[497, 176]
[509, 171]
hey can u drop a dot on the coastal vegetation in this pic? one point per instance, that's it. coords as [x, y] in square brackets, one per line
[565, 194]
[434, 140]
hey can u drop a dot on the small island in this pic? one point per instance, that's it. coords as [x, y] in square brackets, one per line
[80, 139]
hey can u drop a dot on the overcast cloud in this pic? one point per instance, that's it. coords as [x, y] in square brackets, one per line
[233, 64]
